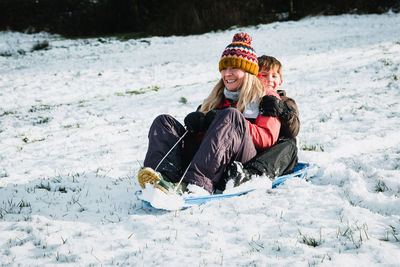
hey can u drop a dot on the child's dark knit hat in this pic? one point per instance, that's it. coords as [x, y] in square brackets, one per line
[240, 54]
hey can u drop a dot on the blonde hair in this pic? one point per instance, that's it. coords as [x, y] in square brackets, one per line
[250, 90]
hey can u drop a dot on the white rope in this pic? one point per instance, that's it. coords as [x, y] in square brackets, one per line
[170, 150]
[180, 181]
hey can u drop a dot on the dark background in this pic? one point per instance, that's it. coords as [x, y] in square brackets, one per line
[80, 18]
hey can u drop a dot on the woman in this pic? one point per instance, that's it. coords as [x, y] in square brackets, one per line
[227, 127]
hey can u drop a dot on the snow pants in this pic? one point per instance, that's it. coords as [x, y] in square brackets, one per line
[280, 159]
[227, 139]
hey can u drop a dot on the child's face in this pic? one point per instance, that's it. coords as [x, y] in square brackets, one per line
[270, 79]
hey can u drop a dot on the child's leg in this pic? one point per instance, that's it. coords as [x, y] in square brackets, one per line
[227, 139]
[277, 160]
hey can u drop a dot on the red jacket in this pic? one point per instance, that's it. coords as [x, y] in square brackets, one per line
[265, 130]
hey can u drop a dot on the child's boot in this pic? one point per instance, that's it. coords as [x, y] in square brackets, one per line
[237, 173]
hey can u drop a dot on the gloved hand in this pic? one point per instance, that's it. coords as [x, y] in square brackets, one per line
[274, 107]
[196, 122]
[210, 117]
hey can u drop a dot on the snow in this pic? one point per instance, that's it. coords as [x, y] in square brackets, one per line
[160, 200]
[73, 135]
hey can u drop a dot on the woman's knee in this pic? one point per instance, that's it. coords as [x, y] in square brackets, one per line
[229, 120]
[231, 115]
[168, 123]
[163, 118]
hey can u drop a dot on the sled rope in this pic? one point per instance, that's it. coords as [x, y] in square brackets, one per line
[166, 155]
[180, 181]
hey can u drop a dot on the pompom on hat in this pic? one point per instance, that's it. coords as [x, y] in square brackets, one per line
[240, 54]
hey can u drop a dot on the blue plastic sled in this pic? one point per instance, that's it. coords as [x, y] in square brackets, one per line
[300, 171]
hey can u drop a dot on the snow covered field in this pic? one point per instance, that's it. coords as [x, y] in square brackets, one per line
[73, 133]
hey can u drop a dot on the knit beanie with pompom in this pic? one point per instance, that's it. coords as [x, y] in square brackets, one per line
[240, 54]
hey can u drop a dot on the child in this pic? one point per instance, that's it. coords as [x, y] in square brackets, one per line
[270, 74]
[282, 157]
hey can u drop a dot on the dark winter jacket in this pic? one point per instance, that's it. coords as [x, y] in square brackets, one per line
[289, 128]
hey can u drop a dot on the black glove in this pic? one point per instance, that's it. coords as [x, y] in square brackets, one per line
[196, 122]
[274, 107]
[210, 117]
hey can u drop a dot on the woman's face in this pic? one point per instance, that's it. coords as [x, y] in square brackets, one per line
[233, 78]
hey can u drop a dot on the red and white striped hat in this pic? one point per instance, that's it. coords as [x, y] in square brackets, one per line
[240, 54]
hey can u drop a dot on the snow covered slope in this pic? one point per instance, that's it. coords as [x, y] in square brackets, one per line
[73, 133]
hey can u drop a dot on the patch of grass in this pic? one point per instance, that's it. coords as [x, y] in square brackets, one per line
[44, 186]
[5, 113]
[40, 45]
[394, 233]
[183, 100]
[326, 256]
[389, 233]
[381, 186]
[41, 120]
[39, 108]
[5, 54]
[3, 173]
[12, 207]
[24, 204]
[313, 147]
[82, 102]
[340, 90]
[69, 126]
[134, 92]
[10, 53]
[140, 91]
[256, 245]
[154, 88]
[325, 117]
[356, 234]
[65, 258]
[386, 62]
[309, 240]
[26, 140]
[45, 107]
[62, 189]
